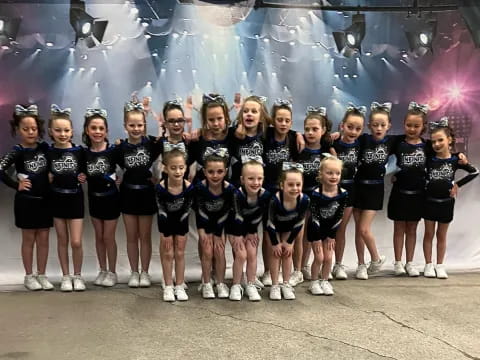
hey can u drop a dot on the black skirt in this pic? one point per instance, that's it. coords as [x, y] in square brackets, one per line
[405, 205]
[104, 206]
[67, 205]
[32, 212]
[440, 210]
[172, 226]
[368, 196]
[140, 201]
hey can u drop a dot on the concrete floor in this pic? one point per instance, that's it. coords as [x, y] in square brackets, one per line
[384, 317]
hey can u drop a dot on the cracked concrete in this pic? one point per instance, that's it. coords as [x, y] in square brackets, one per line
[383, 318]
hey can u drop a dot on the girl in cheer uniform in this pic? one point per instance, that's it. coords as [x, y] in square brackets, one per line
[286, 219]
[213, 202]
[174, 199]
[327, 203]
[440, 194]
[137, 196]
[103, 196]
[66, 165]
[31, 208]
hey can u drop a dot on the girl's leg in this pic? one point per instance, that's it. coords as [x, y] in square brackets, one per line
[251, 261]
[287, 259]
[219, 257]
[62, 243]
[399, 230]
[131, 230]
[298, 254]
[76, 231]
[365, 228]
[327, 260]
[180, 242]
[109, 228]
[238, 246]
[28, 241]
[166, 258]
[99, 243]
[266, 252]
[411, 239]
[359, 243]
[428, 240]
[42, 249]
[206, 257]
[441, 241]
[318, 259]
[341, 235]
[145, 234]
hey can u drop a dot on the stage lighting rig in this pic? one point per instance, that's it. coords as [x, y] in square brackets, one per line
[8, 30]
[350, 40]
[420, 41]
[86, 27]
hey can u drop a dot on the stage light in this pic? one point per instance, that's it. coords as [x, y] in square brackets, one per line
[147, 36]
[149, 83]
[368, 53]
[420, 42]
[81, 69]
[71, 69]
[349, 41]
[86, 27]
[455, 93]
[8, 30]
[5, 47]
[355, 76]
[49, 44]
[134, 11]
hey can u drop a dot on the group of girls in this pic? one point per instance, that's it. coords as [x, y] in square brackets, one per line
[303, 188]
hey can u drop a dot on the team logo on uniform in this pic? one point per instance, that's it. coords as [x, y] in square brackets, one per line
[349, 157]
[417, 158]
[140, 157]
[255, 148]
[279, 155]
[311, 167]
[175, 205]
[37, 164]
[100, 165]
[214, 205]
[379, 154]
[330, 210]
[442, 173]
[67, 163]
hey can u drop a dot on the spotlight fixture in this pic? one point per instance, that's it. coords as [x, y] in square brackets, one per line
[420, 42]
[349, 41]
[8, 30]
[86, 27]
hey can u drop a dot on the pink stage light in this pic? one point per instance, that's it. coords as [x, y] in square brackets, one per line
[455, 93]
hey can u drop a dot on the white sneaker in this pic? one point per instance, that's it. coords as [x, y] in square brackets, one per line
[375, 266]
[110, 279]
[66, 284]
[78, 283]
[180, 292]
[43, 281]
[339, 272]
[275, 292]
[236, 292]
[411, 269]
[399, 268]
[31, 283]
[258, 283]
[267, 279]
[326, 287]
[100, 278]
[307, 272]
[252, 292]
[145, 279]
[315, 287]
[296, 278]
[288, 292]
[429, 271]
[134, 280]
[362, 273]
[222, 291]
[441, 271]
[207, 291]
[168, 293]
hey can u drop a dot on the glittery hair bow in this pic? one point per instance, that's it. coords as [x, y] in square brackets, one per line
[256, 158]
[292, 166]
[133, 106]
[387, 107]
[361, 109]
[169, 147]
[176, 102]
[57, 110]
[96, 112]
[220, 152]
[418, 107]
[282, 102]
[263, 99]
[29, 110]
[442, 123]
[207, 99]
[320, 110]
